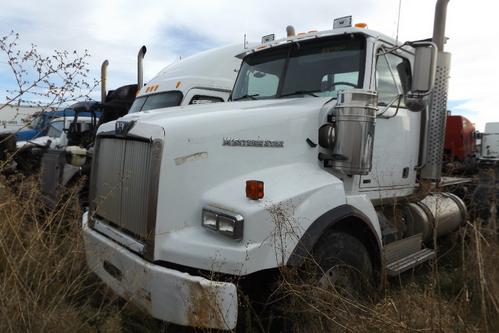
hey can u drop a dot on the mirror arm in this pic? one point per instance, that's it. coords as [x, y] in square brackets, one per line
[389, 105]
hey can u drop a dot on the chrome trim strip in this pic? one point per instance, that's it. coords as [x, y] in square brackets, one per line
[118, 236]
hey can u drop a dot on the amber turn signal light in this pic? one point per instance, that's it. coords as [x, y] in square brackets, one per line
[254, 189]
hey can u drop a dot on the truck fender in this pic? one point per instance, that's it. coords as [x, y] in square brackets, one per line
[345, 218]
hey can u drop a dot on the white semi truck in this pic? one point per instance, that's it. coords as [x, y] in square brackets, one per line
[329, 148]
[206, 77]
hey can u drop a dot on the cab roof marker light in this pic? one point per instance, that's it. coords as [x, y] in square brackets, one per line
[268, 38]
[342, 22]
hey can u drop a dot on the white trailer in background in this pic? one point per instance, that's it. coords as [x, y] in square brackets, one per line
[14, 117]
[329, 149]
[490, 142]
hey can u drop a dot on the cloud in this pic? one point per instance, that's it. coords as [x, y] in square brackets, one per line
[115, 30]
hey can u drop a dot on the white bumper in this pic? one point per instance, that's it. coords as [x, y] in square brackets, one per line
[164, 293]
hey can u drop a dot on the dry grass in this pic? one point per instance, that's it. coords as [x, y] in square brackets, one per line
[46, 286]
[459, 292]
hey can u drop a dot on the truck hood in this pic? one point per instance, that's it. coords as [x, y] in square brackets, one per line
[26, 134]
[165, 116]
[42, 141]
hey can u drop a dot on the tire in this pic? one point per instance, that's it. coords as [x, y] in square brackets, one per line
[340, 265]
[344, 264]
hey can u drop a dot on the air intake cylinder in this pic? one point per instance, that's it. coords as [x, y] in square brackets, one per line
[355, 117]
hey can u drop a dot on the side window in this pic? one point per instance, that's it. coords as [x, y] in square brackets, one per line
[393, 76]
[202, 99]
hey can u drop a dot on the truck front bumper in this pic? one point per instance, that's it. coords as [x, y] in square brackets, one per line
[164, 293]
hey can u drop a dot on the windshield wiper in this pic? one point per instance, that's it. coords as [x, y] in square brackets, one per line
[302, 92]
[252, 96]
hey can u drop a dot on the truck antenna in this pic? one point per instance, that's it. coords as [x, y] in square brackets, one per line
[245, 42]
[398, 23]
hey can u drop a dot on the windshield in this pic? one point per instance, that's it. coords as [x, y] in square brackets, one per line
[36, 122]
[308, 68]
[156, 101]
[55, 129]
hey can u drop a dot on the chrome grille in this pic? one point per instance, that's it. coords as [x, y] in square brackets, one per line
[124, 184]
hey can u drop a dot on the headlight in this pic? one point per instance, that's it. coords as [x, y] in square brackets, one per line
[223, 221]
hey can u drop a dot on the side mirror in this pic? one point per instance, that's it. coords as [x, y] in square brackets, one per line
[423, 77]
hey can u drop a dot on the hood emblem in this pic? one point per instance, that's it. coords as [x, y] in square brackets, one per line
[233, 142]
[121, 127]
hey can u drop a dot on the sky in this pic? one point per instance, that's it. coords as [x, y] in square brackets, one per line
[116, 29]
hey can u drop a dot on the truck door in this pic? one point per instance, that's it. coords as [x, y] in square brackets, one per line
[204, 96]
[396, 139]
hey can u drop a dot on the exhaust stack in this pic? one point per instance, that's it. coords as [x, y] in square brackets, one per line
[140, 67]
[103, 81]
[437, 116]
[290, 31]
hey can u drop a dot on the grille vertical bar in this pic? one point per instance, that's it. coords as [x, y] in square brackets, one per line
[135, 192]
[108, 173]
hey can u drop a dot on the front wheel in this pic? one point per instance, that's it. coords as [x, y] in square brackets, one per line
[343, 263]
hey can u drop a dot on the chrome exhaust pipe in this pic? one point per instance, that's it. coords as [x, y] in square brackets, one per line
[140, 67]
[103, 81]
[439, 24]
[290, 31]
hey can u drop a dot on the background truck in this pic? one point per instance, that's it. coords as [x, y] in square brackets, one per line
[206, 77]
[26, 146]
[329, 150]
[203, 78]
[460, 153]
[40, 123]
[29, 153]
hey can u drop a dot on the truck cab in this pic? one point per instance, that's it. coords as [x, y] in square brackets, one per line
[57, 137]
[318, 150]
[460, 145]
[40, 123]
[206, 77]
